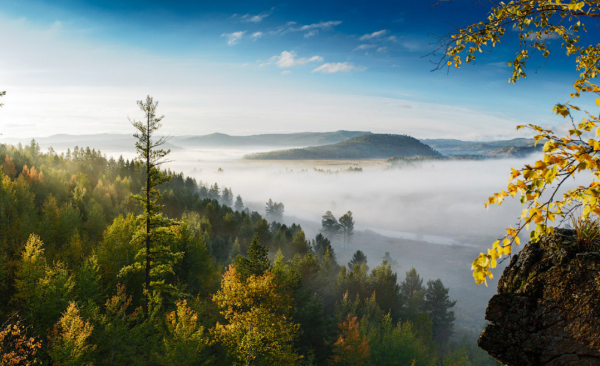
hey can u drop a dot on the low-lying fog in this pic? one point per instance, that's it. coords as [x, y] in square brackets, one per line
[435, 201]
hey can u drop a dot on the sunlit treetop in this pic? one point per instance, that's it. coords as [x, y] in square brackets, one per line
[563, 156]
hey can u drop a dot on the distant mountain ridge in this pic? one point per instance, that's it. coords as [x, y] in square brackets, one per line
[514, 147]
[112, 141]
[373, 146]
[287, 139]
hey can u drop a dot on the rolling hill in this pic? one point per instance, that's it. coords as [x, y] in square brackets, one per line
[372, 146]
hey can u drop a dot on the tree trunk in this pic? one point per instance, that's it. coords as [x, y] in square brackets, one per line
[147, 218]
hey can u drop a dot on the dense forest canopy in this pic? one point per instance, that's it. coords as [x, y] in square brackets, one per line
[227, 286]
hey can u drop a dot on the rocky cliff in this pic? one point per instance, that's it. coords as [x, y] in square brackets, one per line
[547, 310]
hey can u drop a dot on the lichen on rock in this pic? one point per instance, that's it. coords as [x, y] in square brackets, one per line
[547, 310]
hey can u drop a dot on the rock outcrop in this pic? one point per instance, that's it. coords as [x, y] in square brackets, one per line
[547, 310]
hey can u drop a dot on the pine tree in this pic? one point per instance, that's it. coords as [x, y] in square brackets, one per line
[330, 226]
[274, 210]
[239, 204]
[347, 226]
[438, 305]
[157, 257]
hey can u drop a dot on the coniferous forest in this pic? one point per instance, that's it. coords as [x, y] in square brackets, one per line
[108, 261]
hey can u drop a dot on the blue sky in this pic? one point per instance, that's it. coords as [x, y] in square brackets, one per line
[243, 67]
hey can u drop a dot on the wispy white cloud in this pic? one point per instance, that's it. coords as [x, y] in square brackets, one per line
[256, 18]
[321, 25]
[330, 68]
[377, 34]
[311, 33]
[364, 47]
[256, 35]
[312, 29]
[285, 72]
[309, 29]
[233, 38]
[288, 59]
[382, 49]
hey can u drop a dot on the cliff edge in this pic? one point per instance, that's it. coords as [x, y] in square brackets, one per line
[547, 310]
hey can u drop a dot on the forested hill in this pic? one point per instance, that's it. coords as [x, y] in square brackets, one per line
[287, 139]
[373, 146]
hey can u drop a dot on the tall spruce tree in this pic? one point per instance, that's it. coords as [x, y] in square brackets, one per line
[155, 257]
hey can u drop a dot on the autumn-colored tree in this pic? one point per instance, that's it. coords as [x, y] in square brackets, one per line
[259, 330]
[185, 341]
[16, 346]
[350, 349]
[8, 167]
[69, 343]
[537, 22]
